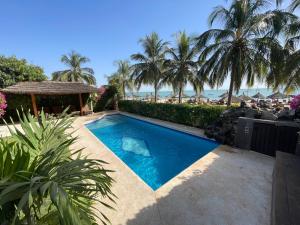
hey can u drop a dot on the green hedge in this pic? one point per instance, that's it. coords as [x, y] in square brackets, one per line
[196, 116]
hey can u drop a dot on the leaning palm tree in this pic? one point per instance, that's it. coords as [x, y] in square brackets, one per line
[284, 56]
[293, 5]
[232, 50]
[181, 69]
[122, 78]
[75, 73]
[290, 53]
[149, 66]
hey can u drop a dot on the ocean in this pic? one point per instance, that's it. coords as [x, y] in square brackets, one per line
[211, 94]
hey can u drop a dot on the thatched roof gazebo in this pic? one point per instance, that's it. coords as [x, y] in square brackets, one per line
[48, 88]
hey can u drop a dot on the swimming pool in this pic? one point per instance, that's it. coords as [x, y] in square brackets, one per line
[155, 153]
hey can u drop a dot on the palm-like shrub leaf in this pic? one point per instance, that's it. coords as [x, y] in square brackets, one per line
[39, 171]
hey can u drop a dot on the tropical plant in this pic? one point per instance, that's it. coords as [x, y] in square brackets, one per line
[191, 115]
[233, 50]
[75, 73]
[122, 78]
[181, 69]
[13, 70]
[108, 96]
[43, 182]
[149, 66]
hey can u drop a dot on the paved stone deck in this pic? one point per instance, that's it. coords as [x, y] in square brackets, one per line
[227, 186]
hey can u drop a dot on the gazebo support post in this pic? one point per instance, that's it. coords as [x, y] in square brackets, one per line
[33, 101]
[81, 105]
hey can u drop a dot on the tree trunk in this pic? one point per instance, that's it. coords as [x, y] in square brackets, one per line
[230, 88]
[124, 94]
[155, 91]
[180, 94]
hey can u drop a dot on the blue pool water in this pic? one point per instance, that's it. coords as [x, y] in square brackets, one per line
[154, 153]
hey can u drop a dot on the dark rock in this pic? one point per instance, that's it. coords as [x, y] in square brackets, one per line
[223, 130]
[286, 115]
[267, 115]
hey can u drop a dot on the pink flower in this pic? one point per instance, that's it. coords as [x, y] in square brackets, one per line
[101, 91]
[295, 103]
[3, 104]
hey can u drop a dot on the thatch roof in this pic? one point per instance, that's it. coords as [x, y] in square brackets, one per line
[245, 97]
[259, 96]
[277, 95]
[182, 96]
[225, 94]
[49, 88]
[199, 96]
[234, 99]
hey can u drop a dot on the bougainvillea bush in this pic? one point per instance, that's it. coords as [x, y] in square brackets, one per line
[3, 104]
[107, 98]
[295, 103]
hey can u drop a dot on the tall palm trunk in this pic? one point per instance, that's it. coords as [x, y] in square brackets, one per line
[155, 90]
[230, 87]
[155, 93]
[124, 94]
[180, 94]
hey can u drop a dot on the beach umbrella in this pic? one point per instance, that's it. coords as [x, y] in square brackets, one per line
[183, 96]
[258, 95]
[245, 97]
[198, 96]
[277, 95]
[224, 95]
[234, 99]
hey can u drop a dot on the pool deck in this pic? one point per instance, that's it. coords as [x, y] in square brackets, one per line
[227, 186]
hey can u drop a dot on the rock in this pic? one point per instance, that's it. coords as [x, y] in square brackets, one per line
[286, 115]
[267, 115]
[223, 130]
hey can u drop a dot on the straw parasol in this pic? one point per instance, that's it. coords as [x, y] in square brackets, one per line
[258, 95]
[234, 99]
[277, 95]
[198, 96]
[245, 97]
[183, 96]
[224, 94]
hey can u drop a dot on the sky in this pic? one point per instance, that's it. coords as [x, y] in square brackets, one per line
[103, 30]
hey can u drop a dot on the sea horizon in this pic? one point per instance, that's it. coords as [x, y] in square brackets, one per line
[211, 94]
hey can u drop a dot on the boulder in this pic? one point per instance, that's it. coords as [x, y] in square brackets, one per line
[223, 130]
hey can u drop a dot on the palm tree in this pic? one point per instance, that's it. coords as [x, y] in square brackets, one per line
[76, 73]
[149, 66]
[181, 69]
[294, 4]
[122, 78]
[284, 56]
[44, 182]
[233, 49]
